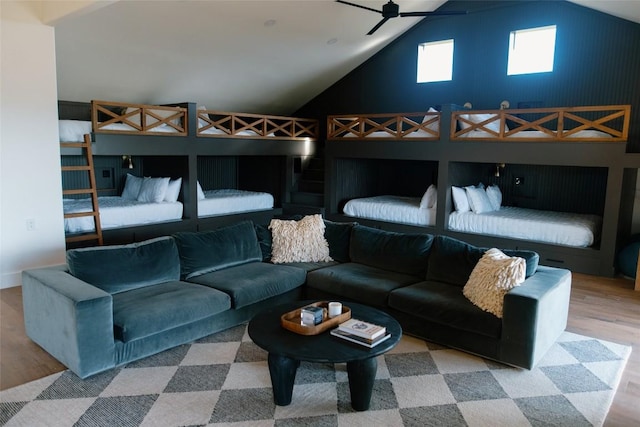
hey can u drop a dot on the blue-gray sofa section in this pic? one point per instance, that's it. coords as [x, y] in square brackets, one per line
[115, 304]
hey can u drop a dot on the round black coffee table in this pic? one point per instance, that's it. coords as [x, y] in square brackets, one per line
[287, 349]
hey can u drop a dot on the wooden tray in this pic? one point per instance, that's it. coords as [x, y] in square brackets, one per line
[291, 320]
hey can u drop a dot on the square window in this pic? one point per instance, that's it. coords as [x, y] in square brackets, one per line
[531, 50]
[435, 61]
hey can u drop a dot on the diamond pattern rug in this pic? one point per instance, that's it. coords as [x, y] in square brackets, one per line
[223, 380]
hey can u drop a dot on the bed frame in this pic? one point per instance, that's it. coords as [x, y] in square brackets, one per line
[451, 150]
[275, 143]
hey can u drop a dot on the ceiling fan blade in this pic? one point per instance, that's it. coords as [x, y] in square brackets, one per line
[378, 25]
[434, 13]
[357, 5]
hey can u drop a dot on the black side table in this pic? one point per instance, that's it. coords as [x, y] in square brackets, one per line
[287, 349]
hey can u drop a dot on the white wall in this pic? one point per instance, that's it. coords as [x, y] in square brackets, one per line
[30, 179]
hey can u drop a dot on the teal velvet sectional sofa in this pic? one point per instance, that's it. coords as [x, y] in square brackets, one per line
[111, 305]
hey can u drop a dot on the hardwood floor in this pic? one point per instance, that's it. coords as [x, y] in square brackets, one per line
[605, 308]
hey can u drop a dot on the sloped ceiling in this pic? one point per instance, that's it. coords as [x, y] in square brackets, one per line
[257, 56]
[253, 56]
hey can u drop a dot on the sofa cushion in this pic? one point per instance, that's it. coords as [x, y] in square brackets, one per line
[338, 235]
[299, 241]
[256, 281]
[147, 311]
[121, 268]
[206, 251]
[400, 252]
[359, 282]
[444, 304]
[452, 261]
[264, 240]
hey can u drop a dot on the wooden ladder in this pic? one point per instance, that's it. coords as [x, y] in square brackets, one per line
[92, 190]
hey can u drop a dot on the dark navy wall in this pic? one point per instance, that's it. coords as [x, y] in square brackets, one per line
[597, 62]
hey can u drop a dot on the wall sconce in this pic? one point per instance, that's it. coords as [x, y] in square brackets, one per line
[127, 162]
[499, 166]
[504, 105]
[468, 105]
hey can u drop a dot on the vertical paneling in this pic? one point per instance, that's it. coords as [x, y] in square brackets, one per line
[558, 188]
[375, 177]
[110, 174]
[597, 62]
[217, 172]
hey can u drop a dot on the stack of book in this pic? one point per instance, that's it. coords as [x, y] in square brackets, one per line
[361, 332]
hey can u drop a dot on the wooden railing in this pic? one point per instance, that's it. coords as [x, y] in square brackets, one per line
[244, 125]
[397, 126]
[558, 124]
[138, 119]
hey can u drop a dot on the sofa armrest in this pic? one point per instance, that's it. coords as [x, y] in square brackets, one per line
[70, 319]
[534, 316]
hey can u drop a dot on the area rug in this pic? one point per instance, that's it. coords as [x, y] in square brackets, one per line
[223, 380]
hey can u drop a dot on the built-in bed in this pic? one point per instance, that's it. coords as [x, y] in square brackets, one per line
[178, 131]
[543, 125]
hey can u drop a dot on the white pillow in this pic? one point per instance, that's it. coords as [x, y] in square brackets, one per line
[460, 201]
[153, 190]
[299, 241]
[132, 187]
[495, 196]
[429, 198]
[492, 277]
[73, 130]
[201, 195]
[202, 122]
[173, 190]
[478, 200]
[435, 125]
[478, 118]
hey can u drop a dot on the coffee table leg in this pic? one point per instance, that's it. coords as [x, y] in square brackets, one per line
[283, 374]
[362, 374]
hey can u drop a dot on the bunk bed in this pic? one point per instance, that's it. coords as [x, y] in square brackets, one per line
[591, 136]
[419, 211]
[159, 136]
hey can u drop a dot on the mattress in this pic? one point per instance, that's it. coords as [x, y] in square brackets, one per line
[248, 132]
[561, 228]
[399, 209]
[228, 201]
[116, 212]
[383, 134]
[74, 130]
[583, 134]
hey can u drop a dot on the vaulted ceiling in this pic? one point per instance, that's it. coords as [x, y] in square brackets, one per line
[257, 56]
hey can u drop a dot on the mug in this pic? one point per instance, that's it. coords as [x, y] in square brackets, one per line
[335, 309]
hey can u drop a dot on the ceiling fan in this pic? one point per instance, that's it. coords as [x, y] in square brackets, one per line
[392, 10]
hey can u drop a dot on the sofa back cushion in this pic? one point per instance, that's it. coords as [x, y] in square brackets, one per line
[452, 260]
[338, 235]
[400, 252]
[124, 267]
[206, 251]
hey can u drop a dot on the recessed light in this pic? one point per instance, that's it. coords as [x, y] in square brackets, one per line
[332, 41]
[270, 23]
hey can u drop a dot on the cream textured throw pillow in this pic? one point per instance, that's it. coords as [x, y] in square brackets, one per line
[299, 241]
[492, 277]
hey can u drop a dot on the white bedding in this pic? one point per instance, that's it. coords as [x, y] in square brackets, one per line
[74, 130]
[392, 209]
[227, 201]
[583, 134]
[116, 212]
[560, 228]
[383, 134]
[216, 131]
